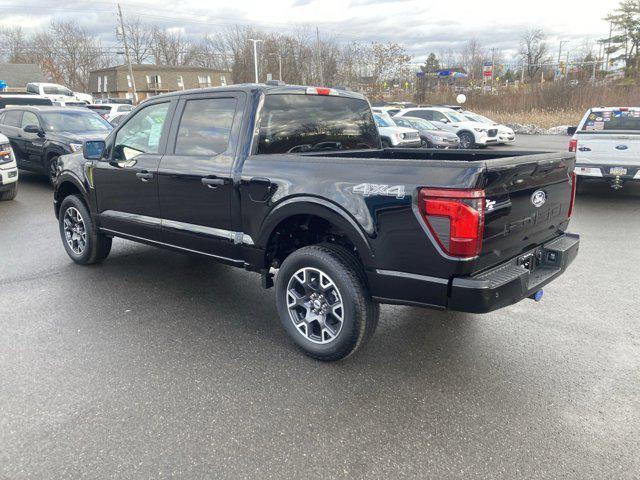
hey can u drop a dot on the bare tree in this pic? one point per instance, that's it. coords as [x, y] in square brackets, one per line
[170, 47]
[472, 58]
[16, 45]
[534, 51]
[140, 39]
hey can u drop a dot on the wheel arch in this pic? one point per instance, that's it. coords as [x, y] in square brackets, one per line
[317, 208]
[67, 184]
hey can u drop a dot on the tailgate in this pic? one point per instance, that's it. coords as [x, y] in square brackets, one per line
[615, 149]
[527, 203]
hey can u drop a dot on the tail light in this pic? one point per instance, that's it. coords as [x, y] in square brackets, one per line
[322, 91]
[574, 186]
[455, 218]
[573, 144]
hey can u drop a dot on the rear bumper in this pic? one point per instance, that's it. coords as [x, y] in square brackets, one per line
[509, 283]
[595, 170]
[499, 287]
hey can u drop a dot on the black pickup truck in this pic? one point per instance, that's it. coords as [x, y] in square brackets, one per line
[292, 181]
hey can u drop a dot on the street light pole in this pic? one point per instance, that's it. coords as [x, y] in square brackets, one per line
[255, 55]
[126, 53]
[562, 42]
[279, 64]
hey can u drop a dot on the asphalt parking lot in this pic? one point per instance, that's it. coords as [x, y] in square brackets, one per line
[155, 365]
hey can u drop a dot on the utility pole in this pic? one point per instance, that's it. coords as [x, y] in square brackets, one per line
[255, 55]
[608, 45]
[562, 42]
[319, 56]
[126, 55]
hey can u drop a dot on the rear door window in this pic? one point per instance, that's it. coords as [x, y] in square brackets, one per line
[292, 123]
[12, 118]
[628, 120]
[30, 118]
[426, 114]
[205, 126]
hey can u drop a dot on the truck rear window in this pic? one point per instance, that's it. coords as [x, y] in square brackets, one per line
[612, 120]
[304, 123]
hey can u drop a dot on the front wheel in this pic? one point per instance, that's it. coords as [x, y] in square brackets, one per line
[11, 193]
[81, 240]
[466, 140]
[52, 170]
[323, 302]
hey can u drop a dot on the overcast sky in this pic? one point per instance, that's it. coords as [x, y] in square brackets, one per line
[421, 25]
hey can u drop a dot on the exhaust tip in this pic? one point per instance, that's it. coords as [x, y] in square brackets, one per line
[537, 296]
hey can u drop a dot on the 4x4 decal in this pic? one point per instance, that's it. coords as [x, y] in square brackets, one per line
[371, 189]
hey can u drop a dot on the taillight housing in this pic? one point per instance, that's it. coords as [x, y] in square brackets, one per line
[455, 218]
[574, 186]
[573, 144]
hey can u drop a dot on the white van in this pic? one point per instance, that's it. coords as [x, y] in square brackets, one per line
[607, 145]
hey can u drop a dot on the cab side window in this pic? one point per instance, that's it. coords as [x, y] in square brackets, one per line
[440, 117]
[12, 118]
[425, 114]
[142, 132]
[205, 126]
[29, 118]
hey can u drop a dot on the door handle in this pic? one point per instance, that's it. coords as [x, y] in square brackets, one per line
[261, 181]
[212, 182]
[144, 176]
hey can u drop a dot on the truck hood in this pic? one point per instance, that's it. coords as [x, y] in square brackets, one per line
[439, 133]
[394, 130]
[75, 137]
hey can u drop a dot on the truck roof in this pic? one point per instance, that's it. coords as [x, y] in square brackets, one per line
[265, 88]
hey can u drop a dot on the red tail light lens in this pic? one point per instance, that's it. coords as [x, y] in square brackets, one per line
[455, 218]
[573, 144]
[574, 186]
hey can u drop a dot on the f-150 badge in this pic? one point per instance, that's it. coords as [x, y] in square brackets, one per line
[371, 189]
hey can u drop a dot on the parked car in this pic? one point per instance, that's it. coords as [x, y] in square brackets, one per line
[8, 99]
[431, 136]
[346, 224]
[386, 110]
[8, 170]
[128, 101]
[39, 135]
[607, 145]
[505, 134]
[472, 134]
[59, 94]
[109, 110]
[394, 136]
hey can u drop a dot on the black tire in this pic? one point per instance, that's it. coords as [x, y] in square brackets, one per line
[467, 140]
[11, 193]
[52, 169]
[385, 143]
[96, 246]
[360, 313]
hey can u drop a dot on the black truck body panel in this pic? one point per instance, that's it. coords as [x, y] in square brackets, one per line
[255, 193]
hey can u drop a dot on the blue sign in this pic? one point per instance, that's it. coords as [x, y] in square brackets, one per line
[3, 85]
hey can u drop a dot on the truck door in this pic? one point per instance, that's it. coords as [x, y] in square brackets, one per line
[126, 181]
[32, 143]
[195, 181]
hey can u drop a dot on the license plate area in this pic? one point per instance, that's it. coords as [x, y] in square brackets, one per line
[527, 261]
[617, 171]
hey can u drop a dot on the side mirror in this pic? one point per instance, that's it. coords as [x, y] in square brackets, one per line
[444, 120]
[93, 149]
[33, 129]
[571, 130]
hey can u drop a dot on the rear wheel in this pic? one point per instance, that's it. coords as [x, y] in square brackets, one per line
[81, 240]
[466, 140]
[52, 169]
[323, 302]
[11, 193]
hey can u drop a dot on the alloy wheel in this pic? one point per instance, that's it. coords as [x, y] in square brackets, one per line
[315, 305]
[75, 232]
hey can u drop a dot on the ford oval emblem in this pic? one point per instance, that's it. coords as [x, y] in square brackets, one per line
[538, 198]
[621, 147]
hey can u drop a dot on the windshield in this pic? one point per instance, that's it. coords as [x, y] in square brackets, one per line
[75, 122]
[57, 91]
[292, 123]
[382, 122]
[420, 124]
[626, 119]
[478, 118]
[456, 117]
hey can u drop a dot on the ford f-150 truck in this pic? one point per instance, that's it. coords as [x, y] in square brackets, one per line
[292, 182]
[607, 145]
